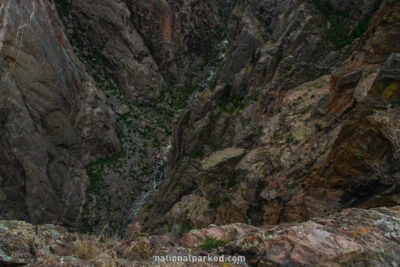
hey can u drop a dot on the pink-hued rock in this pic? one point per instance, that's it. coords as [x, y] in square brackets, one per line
[319, 127]
[353, 236]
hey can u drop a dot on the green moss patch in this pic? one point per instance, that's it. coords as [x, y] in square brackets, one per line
[390, 90]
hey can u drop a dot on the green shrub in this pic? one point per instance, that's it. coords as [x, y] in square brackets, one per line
[230, 183]
[227, 102]
[318, 127]
[62, 6]
[290, 138]
[213, 204]
[360, 29]
[197, 155]
[210, 244]
[255, 57]
[177, 96]
[185, 227]
[359, 156]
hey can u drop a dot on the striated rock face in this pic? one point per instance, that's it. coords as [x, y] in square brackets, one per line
[367, 146]
[136, 39]
[180, 34]
[313, 107]
[107, 38]
[53, 119]
[105, 35]
[298, 119]
[354, 237]
[285, 112]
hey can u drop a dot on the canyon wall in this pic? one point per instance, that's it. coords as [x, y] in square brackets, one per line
[53, 118]
[301, 121]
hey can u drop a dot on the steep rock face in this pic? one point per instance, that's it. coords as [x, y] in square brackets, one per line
[367, 148]
[136, 39]
[367, 145]
[107, 38]
[301, 129]
[53, 119]
[179, 34]
[104, 33]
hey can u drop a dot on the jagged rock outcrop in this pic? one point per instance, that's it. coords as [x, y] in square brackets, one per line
[180, 34]
[297, 121]
[354, 237]
[57, 121]
[23, 244]
[362, 167]
[117, 49]
[53, 120]
[105, 36]
[127, 35]
[310, 103]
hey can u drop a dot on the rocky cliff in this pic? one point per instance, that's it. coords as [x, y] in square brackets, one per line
[181, 34]
[87, 129]
[106, 39]
[53, 118]
[229, 117]
[301, 121]
[128, 47]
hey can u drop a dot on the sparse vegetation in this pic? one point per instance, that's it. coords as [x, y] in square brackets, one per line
[62, 6]
[318, 127]
[371, 112]
[359, 156]
[366, 258]
[227, 102]
[360, 29]
[280, 167]
[213, 204]
[185, 227]
[198, 154]
[211, 244]
[152, 136]
[94, 247]
[339, 34]
[169, 227]
[221, 33]
[143, 249]
[230, 183]
[87, 248]
[176, 97]
[255, 57]
[290, 138]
